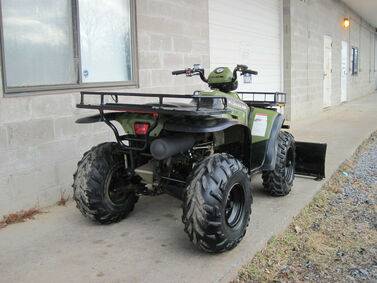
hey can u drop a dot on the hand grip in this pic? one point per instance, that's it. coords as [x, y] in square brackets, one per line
[251, 72]
[178, 72]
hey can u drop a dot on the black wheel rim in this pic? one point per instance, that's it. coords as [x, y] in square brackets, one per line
[234, 205]
[116, 185]
[289, 166]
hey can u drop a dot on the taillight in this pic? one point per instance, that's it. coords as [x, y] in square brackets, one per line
[141, 128]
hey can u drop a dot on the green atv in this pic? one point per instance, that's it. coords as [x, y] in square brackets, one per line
[200, 148]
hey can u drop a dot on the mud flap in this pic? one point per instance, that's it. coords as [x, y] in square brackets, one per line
[310, 159]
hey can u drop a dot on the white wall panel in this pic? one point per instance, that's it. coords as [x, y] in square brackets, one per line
[248, 32]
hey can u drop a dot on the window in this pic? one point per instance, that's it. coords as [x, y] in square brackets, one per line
[355, 61]
[63, 44]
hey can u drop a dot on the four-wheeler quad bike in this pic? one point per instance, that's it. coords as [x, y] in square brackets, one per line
[202, 150]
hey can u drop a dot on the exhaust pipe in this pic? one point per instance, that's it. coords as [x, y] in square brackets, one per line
[166, 147]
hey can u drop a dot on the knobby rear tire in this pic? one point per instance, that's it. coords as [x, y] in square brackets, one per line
[90, 185]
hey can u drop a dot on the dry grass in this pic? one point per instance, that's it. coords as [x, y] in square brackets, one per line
[325, 241]
[20, 216]
[63, 199]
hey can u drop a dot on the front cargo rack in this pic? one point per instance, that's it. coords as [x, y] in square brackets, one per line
[263, 99]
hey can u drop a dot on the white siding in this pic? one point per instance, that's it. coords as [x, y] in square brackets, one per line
[250, 33]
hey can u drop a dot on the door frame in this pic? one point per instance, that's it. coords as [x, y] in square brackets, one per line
[344, 84]
[327, 42]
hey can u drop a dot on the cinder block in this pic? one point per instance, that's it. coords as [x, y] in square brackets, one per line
[164, 9]
[173, 60]
[190, 60]
[3, 138]
[189, 89]
[149, 60]
[173, 27]
[14, 109]
[199, 12]
[200, 47]
[15, 160]
[182, 80]
[28, 184]
[30, 133]
[162, 78]
[193, 31]
[66, 127]
[6, 203]
[160, 42]
[64, 172]
[144, 78]
[142, 7]
[143, 41]
[158, 24]
[87, 142]
[52, 106]
[49, 196]
[182, 44]
[205, 61]
[56, 151]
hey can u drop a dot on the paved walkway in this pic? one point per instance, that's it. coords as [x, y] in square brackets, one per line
[150, 245]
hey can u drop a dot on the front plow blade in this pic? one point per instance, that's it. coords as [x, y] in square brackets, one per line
[310, 159]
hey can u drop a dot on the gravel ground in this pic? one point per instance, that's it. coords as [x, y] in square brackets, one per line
[334, 239]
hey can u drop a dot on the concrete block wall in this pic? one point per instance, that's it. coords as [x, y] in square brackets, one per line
[39, 142]
[306, 22]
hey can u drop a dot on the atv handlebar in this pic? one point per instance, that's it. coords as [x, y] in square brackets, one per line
[198, 70]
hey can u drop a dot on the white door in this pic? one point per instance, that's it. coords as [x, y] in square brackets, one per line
[248, 32]
[327, 69]
[344, 71]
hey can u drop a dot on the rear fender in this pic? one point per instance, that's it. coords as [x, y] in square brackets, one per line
[97, 118]
[125, 119]
[310, 159]
[201, 125]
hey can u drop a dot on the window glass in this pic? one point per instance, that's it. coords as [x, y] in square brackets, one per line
[355, 60]
[38, 42]
[105, 39]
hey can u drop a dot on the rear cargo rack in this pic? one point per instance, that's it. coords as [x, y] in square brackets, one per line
[263, 99]
[140, 143]
[160, 107]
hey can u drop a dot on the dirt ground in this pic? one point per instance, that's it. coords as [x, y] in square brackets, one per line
[333, 239]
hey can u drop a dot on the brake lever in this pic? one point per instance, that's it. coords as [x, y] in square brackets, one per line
[189, 72]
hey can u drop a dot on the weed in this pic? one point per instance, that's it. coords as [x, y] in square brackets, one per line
[20, 216]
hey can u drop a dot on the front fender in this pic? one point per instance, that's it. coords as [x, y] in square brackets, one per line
[272, 144]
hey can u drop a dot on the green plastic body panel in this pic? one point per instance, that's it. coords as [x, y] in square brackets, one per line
[245, 115]
[270, 117]
[240, 112]
[220, 75]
